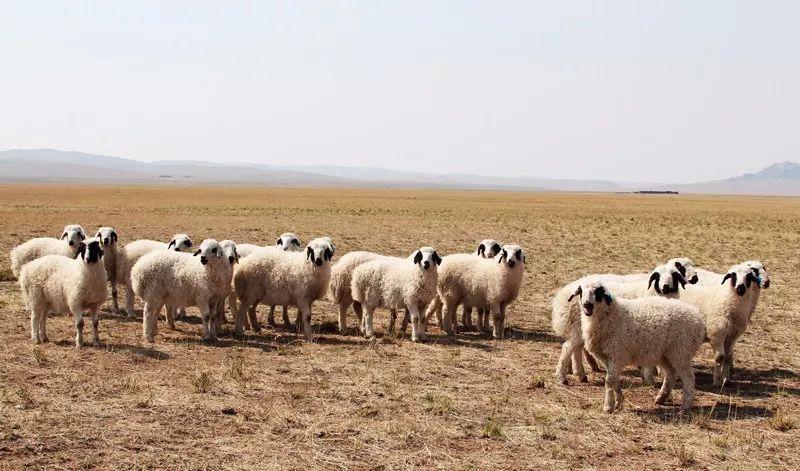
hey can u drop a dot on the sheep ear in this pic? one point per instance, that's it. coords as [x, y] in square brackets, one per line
[417, 257]
[436, 258]
[752, 278]
[496, 248]
[83, 236]
[328, 254]
[63, 236]
[518, 254]
[99, 235]
[732, 277]
[171, 243]
[114, 236]
[678, 279]
[607, 298]
[296, 242]
[680, 268]
[197, 253]
[481, 250]
[654, 277]
[279, 242]
[82, 251]
[235, 255]
[503, 254]
[309, 254]
[578, 292]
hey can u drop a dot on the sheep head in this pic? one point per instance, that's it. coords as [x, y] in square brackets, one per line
[229, 251]
[488, 248]
[180, 243]
[741, 278]
[107, 235]
[512, 255]
[288, 241]
[426, 257]
[73, 234]
[667, 279]
[593, 294]
[209, 251]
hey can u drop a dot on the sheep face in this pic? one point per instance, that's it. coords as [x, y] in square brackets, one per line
[686, 269]
[229, 251]
[760, 271]
[426, 257]
[107, 235]
[180, 243]
[73, 234]
[319, 252]
[288, 242]
[666, 279]
[91, 251]
[594, 297]
[741, 277]
[488, 248]
[209, 251]
[512, 255]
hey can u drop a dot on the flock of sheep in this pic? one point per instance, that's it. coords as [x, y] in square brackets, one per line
[658, 319]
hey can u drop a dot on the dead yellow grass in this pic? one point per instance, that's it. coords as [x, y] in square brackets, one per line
[272, 401]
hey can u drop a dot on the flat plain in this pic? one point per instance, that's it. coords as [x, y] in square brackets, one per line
[274, 401]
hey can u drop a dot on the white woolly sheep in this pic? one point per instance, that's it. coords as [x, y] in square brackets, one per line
[284, 278]
[67, 245]
[727, 309]
[55, 283]
[684, 266]
[711, 278]
[651, 331]
[130, 253]
[340, 284]
[288, 241]
[473, 281]
[168, 278]
[108, 237]
[665, 280]
[395, 283]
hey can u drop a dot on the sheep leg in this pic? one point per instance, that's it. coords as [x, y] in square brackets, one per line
[36, 319]
[170, 315]
[487, 327]
[577, 363]
[271, 316]
[499, 316]
[305, 310]
[286, 320]
[114, 297]
[647, 375]
[686, 374]
[392, 321]
[231, 305]
[129, 297]
[727, 364]
[205, 316]
[343, 317]
[562, 369]
[247, 317]
[251, 314]
[406, 319]
[149, 321]
[359, 310]
[180, 312]
[466, 317]
[96, 326]
[77, 313]
[592, 361]
[447, 318]
[241, 317]
[43, 326]
[613, 399]
[718, 347]
[417, 332]
[369, 331]
[666, 385]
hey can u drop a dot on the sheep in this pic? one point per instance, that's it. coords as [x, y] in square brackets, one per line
[68, 245]
[708, 277]
[488, 248]
[727, 309]
[665, 280]
[108, 237]
[229, 251]
[684, 266]
[651, 331]
[340, 284]
[55, 283]
[179, 279]
[288, 241]
[130, 253]
[395, 283]
[474, 281]
[282, 278]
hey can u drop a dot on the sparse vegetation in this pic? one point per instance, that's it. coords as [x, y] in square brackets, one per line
[343, 402]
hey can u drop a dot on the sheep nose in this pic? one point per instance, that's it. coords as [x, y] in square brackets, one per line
[694, 280]
[766, 284]
[588, 307]
[511, 263]
[318, 262]
[105, 241]
[427, 264]
[72, 242]
[203, 259]
[231, 258]
[740, 290]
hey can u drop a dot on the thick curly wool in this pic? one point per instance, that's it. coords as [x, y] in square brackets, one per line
[67, 245]
[128, 255]
[275, 277]
[474, 281]
[59, 284]
[727, 308]
[395, 283]
[665, 280]
[651, 331]
[341, 293]
[169, 278]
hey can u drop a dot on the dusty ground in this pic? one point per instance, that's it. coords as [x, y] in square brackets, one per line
[273, 401]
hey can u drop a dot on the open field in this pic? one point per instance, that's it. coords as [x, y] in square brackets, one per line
[273, 401]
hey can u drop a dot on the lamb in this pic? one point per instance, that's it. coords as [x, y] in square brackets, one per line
[128, 255]
[108, 237]
[55, 283]
[340, 284]
[287, 278]
[288, 241]
[68, 245]
[474, 281]
[651, 331]
[179, 279]
[727, 309]
[665, 280]
[395, 284]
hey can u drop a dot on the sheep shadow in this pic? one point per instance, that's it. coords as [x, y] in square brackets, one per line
[721, 411]
[746, 385]
[246, 341]
[149, 352]
[531, 335]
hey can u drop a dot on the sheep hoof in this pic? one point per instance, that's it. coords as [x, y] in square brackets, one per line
[608, 409]
[45, 339]
[584, 379]
[660, 401]
[37, 341]
[564, 381]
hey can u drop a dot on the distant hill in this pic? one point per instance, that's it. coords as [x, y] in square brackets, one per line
[51, 165]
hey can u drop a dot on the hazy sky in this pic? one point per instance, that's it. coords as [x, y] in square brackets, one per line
[625, 90]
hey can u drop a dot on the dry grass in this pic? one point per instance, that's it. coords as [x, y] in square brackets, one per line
[271, 401]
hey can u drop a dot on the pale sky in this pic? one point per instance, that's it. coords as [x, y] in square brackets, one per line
[671, 91]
